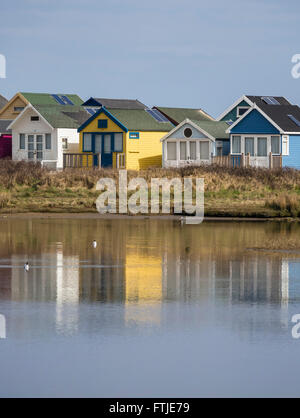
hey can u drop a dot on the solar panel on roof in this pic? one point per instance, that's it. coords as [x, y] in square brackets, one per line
[66, 100]
[157, 115]
[58, 99]
[91, 110]
[270, 100]
[295, 120]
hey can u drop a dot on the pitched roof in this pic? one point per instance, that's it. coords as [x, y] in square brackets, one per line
[131, 120]
[278, 114]
[63, 116]
[258, 100]
[48, 99]
[3, 126]
[139, 120]
[177, 114]
[115, 103]
[3, 101]
[214, 128]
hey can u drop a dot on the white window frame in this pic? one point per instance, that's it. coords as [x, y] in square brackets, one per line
[285, 139]
[243, 136]
[238, 110]
[176, 150]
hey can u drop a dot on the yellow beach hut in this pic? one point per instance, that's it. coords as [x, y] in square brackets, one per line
[124, 138]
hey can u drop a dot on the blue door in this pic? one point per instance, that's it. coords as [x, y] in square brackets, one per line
[103, 145]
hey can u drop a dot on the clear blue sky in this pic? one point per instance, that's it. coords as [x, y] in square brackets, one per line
[164, 52]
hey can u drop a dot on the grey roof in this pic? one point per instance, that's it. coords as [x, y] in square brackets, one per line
[3, 101]
[3, 126]
[258, 100]
[117, 103]
[279, 113]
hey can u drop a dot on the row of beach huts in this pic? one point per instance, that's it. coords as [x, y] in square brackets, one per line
[62, 131]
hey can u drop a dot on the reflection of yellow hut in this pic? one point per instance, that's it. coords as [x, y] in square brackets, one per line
[143, 288]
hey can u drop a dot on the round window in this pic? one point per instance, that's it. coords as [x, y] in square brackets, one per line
[187, 132]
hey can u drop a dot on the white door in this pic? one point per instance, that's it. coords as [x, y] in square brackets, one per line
[261, 157]
[35, 147]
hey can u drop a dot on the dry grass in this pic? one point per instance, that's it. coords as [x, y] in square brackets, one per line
[228, 191]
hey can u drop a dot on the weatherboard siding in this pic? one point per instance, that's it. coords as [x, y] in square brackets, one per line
[226, 147]
[179, 134]
[232, 114]
[293, 159]
[92, 127]
[144, 152]
[254, 123]
[9, 112]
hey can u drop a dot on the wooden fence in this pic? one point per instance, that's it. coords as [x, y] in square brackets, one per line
[244, 160]
[78, 160]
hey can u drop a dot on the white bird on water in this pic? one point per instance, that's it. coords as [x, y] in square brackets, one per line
[94, 244]
[26, 266]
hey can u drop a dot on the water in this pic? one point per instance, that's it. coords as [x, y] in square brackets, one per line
[155, 310]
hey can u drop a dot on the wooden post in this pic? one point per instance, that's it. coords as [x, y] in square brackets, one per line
[280, 161]
[243, 160]
[270, 160]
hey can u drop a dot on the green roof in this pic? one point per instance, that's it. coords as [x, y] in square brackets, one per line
[139, 120]
[179, 114]
[47, 99]
[214, 128]
[63, 116]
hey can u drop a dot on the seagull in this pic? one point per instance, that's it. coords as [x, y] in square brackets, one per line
[26, 266]
[94, 243]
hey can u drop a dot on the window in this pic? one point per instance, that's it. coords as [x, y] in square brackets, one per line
[275, 146]
[193, 150]
[183, 150]
[87, 142]
[118, 142]
[39, 155]
[236, 144]
[134, 135]
[241, 110]
[285, 145]
[204, 150]
[249, 146]
[34, 118]
[262, 147]
[22, 141]
[39, 142]
[30, 141]
[98, 143]
[48, 141]
[64, 142]
[18, 108]
[107, 144]
[171, 150]
[188, 132]
[30, 155]
[102, 123]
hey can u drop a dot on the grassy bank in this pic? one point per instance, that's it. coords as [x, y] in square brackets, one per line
[242, 192]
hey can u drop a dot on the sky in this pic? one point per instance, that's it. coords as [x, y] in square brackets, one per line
[180, 53]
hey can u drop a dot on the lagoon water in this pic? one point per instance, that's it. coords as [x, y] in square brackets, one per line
[156, 309]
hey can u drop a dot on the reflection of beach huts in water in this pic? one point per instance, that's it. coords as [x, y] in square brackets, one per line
[249, 279]
[143, 288]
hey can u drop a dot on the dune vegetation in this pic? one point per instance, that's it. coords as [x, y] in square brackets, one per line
[238, 192]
